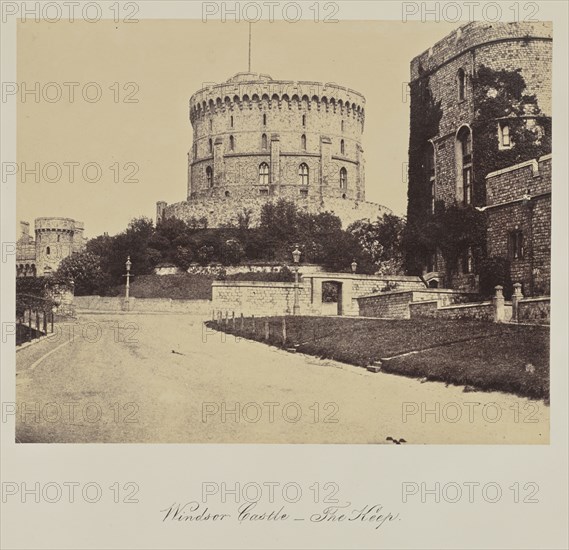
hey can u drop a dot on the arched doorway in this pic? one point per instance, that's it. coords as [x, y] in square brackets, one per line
[332, 298]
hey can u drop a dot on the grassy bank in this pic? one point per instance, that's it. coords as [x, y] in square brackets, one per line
[477, 355]
[180, 286]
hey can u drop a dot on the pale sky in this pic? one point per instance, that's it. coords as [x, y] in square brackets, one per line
[168, 60]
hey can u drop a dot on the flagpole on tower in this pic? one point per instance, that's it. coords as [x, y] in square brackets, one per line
[249, 46]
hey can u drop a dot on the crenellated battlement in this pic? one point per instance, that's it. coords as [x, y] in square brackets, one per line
[265, 93]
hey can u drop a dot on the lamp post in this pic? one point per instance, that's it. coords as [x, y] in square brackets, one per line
[354, 265]
[296, 258]
[127, 288]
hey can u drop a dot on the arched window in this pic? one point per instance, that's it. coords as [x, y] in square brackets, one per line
[264, 119]
[210, 145]
[232, 121]
[58, 238]
[343, 178]
[264, 173]
[303, 174]
[342, 125]
[210, 124]
[48, 250]
[342, 147]
[463, 150]
[304, 120]
[231, 143]
[264, 143]
[209, 176]
[303, 142]
[461, 83]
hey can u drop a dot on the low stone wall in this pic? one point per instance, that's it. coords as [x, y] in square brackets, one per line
[262, 267]
[396, 304]
[150, 305]
[259, 298]
[534, 310]
[481, 311]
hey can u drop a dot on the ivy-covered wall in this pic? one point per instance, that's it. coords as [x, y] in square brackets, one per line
[507, 80]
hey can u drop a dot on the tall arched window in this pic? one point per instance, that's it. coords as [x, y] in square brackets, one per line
[342, 147]
[304, 120]
[264, 142]
[209, 176]
[303, 174]
[231, 143]
[210, 124]
[264, 173]
[232, 121]
[210, 145]
[303, 142]
[463, 149]
[343, 178]
[461, 83]
[48, 250]
[264, 119]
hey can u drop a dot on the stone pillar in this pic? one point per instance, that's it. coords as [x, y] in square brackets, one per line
[499, 314]
[325, 163]
[275, 172]
[516, 297]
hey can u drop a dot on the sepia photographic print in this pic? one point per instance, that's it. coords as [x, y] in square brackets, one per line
[232, 226]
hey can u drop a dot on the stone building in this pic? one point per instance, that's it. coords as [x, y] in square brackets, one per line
[55, 239]
[256, 139]
[519, 222]
[480, 104]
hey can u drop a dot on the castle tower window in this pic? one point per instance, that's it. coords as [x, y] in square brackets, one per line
[264, 120]
[48, 251]
[210, 145]
[264, 142]
[504, 141]
[231, 121]
[303, 174]
[342, 147]
[461, 83]
[209, 176]
[343, 178]
[210, 124]
[264, 173]
[516, 245]
[231, 143]
[464, 164]
[303, 142]
[342, 125]
[304, 120]
[58, 238]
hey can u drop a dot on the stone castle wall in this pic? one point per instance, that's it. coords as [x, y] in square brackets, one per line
[221, 210]
[519, 199]
[505, 46]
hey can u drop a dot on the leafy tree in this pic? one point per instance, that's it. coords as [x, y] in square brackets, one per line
[84, 269]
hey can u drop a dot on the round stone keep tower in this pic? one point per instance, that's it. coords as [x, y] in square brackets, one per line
[253, 135]
[257, 140]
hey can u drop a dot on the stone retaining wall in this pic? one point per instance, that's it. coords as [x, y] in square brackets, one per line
[396, 304]
[534, 310]
[150, 305]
